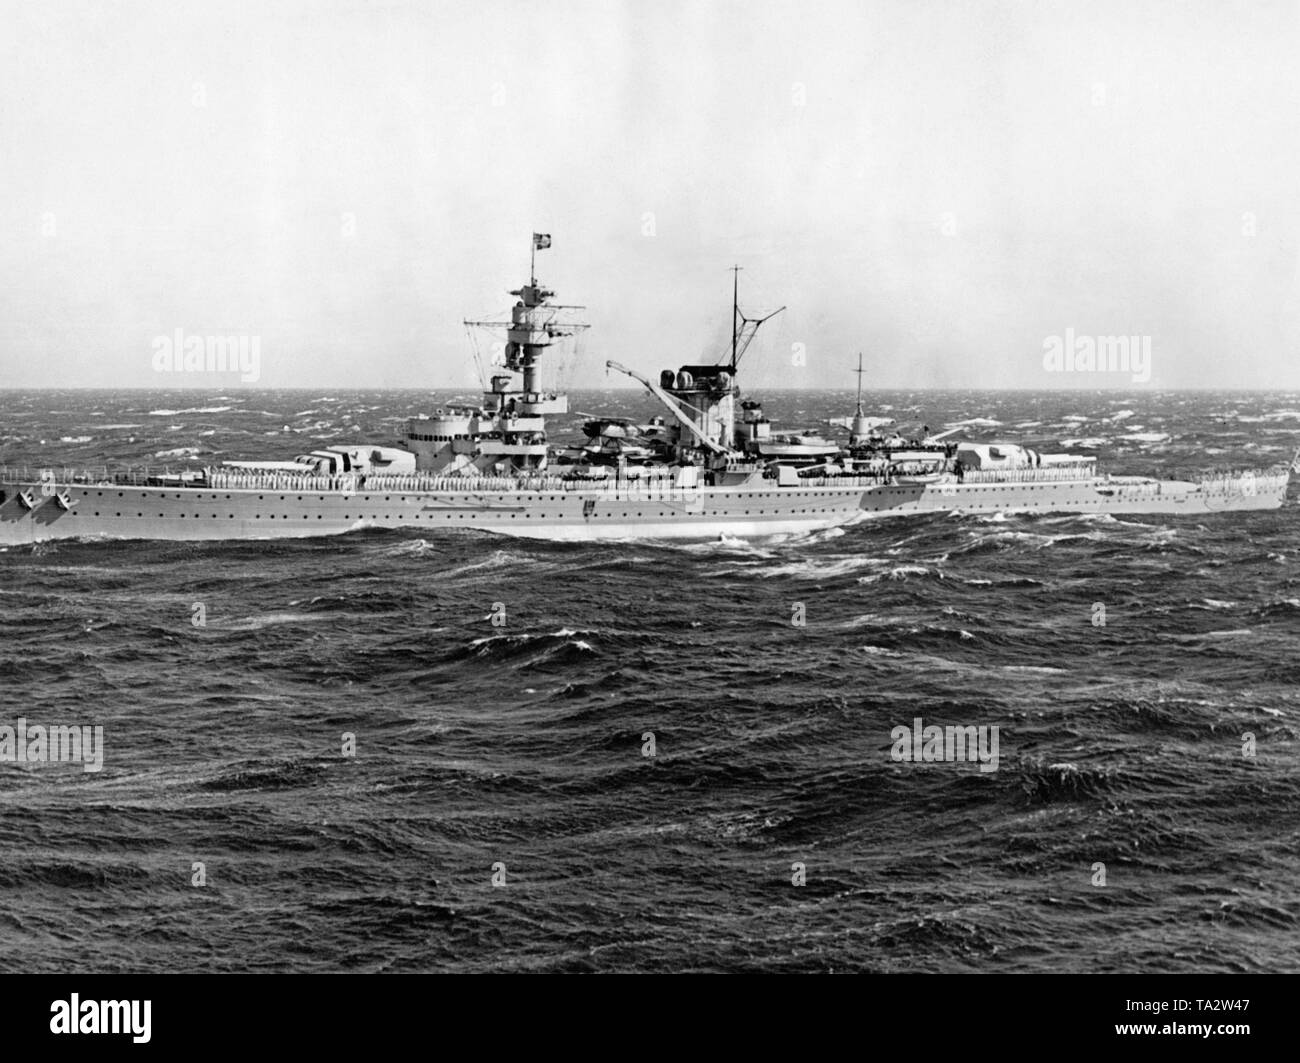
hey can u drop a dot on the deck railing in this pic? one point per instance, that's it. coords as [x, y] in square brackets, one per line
[1042, 474]
[648, 485]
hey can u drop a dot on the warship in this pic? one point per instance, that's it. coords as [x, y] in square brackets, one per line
[710, 464]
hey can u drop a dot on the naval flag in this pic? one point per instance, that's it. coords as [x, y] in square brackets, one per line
[541, 241]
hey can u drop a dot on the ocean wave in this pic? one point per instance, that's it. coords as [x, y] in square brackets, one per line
[995, 542]
[534, 647]
[1065, 781]
[1280, 607]
[903, 572]
[274, 776]
[725, 544]
[260, 621]
[373, 602]
[498, 559]
[812, 569]
[880, 651]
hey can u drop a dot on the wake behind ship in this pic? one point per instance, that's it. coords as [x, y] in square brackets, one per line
[711, 464]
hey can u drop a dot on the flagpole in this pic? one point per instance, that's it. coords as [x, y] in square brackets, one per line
[532, 263]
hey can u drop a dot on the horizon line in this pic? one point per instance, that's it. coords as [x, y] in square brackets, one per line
[417, 387]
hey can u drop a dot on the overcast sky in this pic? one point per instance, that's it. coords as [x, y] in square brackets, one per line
[943, 186]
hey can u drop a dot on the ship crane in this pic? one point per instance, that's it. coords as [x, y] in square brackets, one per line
[674, 407]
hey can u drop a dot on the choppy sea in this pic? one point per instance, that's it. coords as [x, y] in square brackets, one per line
[500, 811]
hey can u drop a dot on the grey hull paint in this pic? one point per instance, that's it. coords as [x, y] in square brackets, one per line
[102, 510]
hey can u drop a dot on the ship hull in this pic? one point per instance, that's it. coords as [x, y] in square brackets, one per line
[1100, 495]
[196, 514]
